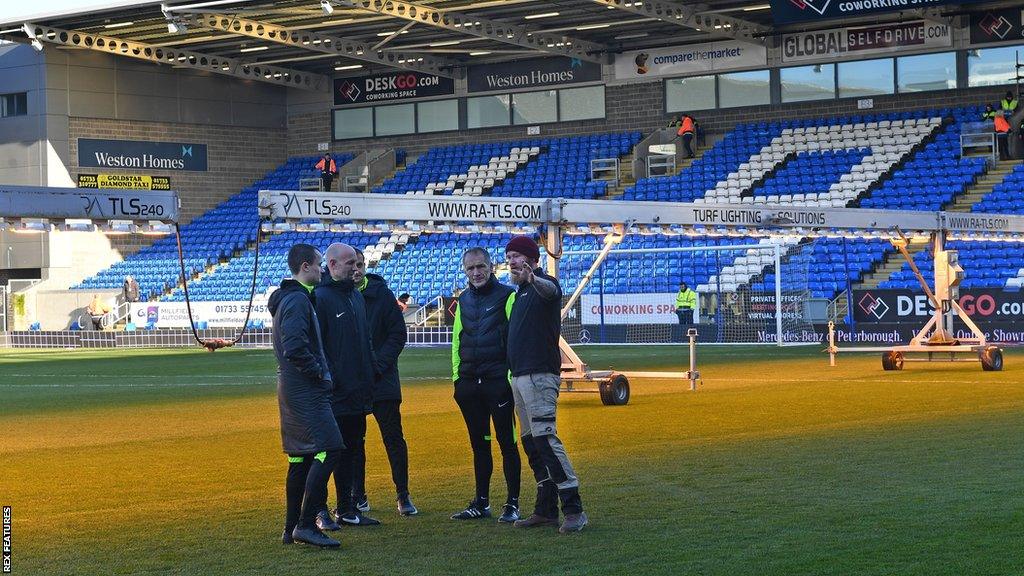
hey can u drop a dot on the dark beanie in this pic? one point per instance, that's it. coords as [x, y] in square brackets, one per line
[525, 246]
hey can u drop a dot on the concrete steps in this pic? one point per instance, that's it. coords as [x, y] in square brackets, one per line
[892, 263]
[964, 202]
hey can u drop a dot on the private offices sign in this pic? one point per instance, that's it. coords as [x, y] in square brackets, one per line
[129, 154]
[532, 73]
[823, 45]
[790, 11]
[387, 87]
[691, 59]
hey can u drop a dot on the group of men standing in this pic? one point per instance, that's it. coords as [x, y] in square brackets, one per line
[337, 340]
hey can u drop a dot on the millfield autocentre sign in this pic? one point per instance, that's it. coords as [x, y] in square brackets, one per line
[532, 73]
[401, 85]
[689, 59]
[128, 154]
[825, 45]
[790, 11]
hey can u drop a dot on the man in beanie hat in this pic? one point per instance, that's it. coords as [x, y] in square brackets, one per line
[535, 363]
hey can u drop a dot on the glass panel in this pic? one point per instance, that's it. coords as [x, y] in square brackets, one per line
[581, 103]
[744, 89]
[535, 107]
[485, 111]
[687, 94]
[866, 78]
[438, 116]
[22, 103]
[926, 72]
[803, 83]
[353, 123]
[397, 119]
[991, 66]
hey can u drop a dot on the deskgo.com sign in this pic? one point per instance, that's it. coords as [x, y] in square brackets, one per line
[902, 305]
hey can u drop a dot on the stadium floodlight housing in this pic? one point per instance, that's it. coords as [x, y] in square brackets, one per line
[326, 6]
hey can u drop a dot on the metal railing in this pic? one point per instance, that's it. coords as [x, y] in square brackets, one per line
[429, 312]
[660, 165]
[3, 308]
[605, 169]
[643, 149]
[978, 136]
[118, 313]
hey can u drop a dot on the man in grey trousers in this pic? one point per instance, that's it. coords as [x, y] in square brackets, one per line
[535, 363]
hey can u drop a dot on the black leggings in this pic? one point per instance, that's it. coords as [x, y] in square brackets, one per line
[353, 433]
[306, 488]
[482, 402]
[388, 415]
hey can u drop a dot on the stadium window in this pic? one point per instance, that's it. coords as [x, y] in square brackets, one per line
[535, 107]
[437, 116]
[688, 94]
[14, 104]
[353, 123]
[744, 89]
[804, 83]
[486, 111]
[394, 120]
[866, 78]
[991, 66]
[926, 72]
[581, 103]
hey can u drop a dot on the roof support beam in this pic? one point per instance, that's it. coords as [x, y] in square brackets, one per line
[317, 42]
[484, 28]
[180, 58]
[696, 16]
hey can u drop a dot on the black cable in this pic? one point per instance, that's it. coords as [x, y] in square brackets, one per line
[216, 343]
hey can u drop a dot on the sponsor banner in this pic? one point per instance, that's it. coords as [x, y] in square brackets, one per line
[821, 45]
[690, 59]
[887, 334]
[998, 25]
[214, 314]
[388, 87]
[657, 308]
[790, 11]
[141, 155]
[124, 181]
[531, 73]
[983, 306]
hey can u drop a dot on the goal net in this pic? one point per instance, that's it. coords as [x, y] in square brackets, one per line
[748, 290]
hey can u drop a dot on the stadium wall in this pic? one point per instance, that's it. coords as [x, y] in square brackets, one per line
[629, 107]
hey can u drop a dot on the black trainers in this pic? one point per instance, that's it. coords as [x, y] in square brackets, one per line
[357, 519]
[509, 513]
[314, 537]
[406, 507]
[325, 522]
[362, 503]
[476, 509]
[286, 537]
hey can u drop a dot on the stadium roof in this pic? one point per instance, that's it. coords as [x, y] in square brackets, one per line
[321, 38]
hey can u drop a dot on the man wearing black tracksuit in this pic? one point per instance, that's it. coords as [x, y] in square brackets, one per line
[482, 389]
[309, 431]
[349, 352]
[388, 334]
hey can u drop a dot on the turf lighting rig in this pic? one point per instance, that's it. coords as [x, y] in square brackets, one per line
[72, 207]
[286, 209]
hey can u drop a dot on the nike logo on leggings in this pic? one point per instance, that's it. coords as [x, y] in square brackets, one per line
[503, 404]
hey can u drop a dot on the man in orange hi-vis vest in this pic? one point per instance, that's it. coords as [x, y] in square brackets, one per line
[328, 170]
[686, 133]
[1002, 126]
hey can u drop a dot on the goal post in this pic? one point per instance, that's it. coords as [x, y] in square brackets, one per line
[741, 298]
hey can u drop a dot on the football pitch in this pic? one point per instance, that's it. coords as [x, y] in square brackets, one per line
[169, 462]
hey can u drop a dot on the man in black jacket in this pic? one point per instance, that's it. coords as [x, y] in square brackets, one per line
[387, 330]
[349, 352]
[482, 389]
[309, 432]
[535, 362]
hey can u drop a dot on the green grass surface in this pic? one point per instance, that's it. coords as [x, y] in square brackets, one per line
[169, 462]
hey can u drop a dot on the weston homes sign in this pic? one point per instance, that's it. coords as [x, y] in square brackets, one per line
[129, 154]
[532, 73]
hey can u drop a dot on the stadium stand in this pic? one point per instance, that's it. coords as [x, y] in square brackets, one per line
[908, 160]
